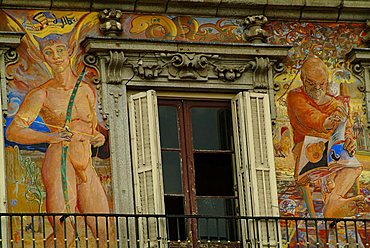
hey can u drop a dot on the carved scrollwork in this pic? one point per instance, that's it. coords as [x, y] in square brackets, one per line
[260, 72]
[278, 69]
[252, 29]
[358, 72]
[187, 66]
[116, 62]
[9, 56]
[110, 22]
[92, 61]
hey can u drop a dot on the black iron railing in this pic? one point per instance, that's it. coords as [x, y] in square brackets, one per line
[125, 230]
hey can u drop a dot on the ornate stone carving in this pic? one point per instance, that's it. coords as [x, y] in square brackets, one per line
[7, 57]
[92, 61]
[116, 60]
[358, 72]
[230, 73]
[260, 72]
[116, 97]
[147, 71]
[279, 69]
[187, 66]
[253, 31]
[110, 22]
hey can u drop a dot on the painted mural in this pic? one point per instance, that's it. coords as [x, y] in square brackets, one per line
[321, 145]
[186, 28]
[57, 151]
[56, 144]
[44, 132]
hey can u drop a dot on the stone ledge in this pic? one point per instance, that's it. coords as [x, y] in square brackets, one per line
[104, 44]
[313, 10]
[10, 39]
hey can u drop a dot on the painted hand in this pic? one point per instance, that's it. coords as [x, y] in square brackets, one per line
[332, 121]
[97, 140]
[57, 137]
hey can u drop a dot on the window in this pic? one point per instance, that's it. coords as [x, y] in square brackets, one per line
[197, 165]
[196, 136]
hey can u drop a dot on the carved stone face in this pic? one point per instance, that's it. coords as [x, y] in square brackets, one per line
[56, 56]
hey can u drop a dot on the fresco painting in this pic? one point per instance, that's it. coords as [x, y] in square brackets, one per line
[52, 34]
[52, 126]
[182, 28]
[314, 180]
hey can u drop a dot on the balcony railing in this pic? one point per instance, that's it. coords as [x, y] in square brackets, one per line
[124, 230]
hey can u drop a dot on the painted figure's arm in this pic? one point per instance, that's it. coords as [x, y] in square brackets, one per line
[19, 130]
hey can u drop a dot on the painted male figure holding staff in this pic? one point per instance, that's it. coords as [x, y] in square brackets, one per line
[50, 101]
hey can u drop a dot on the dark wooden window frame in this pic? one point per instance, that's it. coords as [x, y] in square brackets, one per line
[187, 152]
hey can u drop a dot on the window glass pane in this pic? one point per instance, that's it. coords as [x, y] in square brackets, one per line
[171, 172]
[168, 126]
[211, 128]
[212, 228]
[176, 225]
[213, 174]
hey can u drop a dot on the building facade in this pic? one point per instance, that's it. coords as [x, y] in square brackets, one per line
[186, 124]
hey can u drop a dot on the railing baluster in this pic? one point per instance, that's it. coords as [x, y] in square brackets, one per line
[307, 237]
[218, 233]
[178, 232]
[267, 233]
[355, 226]
[279, 242]
[346, 233]
[97, 231]
[326, 233]
[366, 234]
[86, 232]
[54, 231]
[258, 221]
[317, 234]
[148, 230]
[297, 233]
[158, 232]
[33, 231]
[65, 230]
[168, 231]
[1, 230]
[107, 231]
[22, 231]
[287, 232]
[126, 219]
[43, 231]
[335, 227]
[77, 238]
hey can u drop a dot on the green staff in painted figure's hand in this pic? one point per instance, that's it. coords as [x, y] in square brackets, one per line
[75, 133]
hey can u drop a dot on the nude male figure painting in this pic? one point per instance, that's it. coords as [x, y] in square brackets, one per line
[50, 101]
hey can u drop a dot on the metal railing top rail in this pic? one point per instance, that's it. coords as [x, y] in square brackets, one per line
[236, 217]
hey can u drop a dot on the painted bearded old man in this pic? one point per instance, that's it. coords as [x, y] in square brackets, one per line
[315, 113]
[51, 100]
